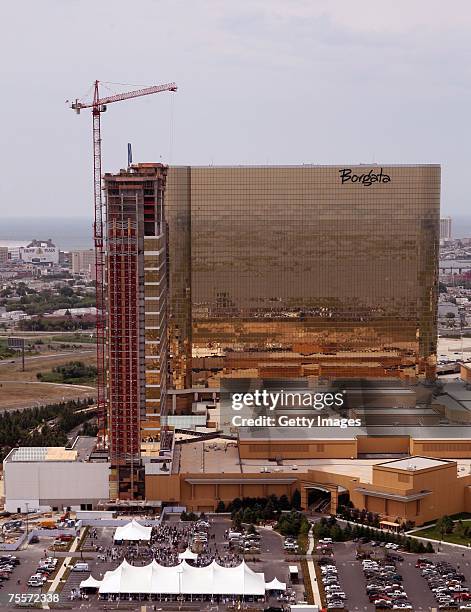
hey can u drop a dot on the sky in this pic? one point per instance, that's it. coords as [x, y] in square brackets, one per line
[259, 82]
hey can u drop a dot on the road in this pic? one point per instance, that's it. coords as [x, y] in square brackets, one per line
[48, 356]
[37, 382]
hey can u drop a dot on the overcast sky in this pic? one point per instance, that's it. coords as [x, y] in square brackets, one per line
[260, 81]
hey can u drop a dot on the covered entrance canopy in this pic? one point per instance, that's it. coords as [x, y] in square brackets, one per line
[389, 525]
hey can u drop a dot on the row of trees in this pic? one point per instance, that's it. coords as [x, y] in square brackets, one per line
[292, 523]
[38, 302]
[349, 513]
[73, 373]
[66, 323]
[330, 528]
[277, 504]
[257, 509]
[30, 427]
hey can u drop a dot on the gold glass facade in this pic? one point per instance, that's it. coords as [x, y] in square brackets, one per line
[302, 270]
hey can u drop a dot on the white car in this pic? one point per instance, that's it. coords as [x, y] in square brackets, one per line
[37, 580]
[81, 567]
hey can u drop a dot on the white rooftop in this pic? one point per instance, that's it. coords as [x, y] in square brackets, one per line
[411, 464]
[42, 453]
[185, 579]
[133, 532]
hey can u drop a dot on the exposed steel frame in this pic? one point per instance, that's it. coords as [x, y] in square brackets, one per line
[98, 106]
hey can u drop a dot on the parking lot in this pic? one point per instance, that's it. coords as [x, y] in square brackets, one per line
[29, 560]
[343, 572]
[353, 582]
[101, 555]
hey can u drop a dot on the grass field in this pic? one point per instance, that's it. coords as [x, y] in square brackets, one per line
[44, 362]
[454, 538]
[74, 338]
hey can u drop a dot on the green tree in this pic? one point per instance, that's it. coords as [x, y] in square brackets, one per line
[237, 521]
[296, 499]
[444, 525]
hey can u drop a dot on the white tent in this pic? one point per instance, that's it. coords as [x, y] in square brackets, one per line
[90, 583]
[183, 579]
[188, 554]
[132, 532]
[275, 585]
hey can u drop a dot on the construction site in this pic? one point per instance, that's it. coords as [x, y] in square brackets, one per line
[192, 290]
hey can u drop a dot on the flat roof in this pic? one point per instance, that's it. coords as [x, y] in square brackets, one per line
[457, 390]
[267, 434]
[363, 165]
[241, 480]
[436, 432]
[412, 464]
[81, 450]
[41, 453]
[393, 496]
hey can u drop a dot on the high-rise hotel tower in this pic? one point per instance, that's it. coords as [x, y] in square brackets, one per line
[136, 334]
[302, 271]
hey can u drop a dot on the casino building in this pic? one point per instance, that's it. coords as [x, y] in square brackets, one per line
[312, 274]
[302, 271]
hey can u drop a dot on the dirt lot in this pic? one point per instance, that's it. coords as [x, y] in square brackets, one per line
[21, 390]
[24, 395]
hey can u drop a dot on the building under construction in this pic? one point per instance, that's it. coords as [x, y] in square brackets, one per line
[136, 332]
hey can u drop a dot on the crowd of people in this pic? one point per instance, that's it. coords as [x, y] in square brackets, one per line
[168, 541]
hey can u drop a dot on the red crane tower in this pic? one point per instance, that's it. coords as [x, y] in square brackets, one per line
[98, 107]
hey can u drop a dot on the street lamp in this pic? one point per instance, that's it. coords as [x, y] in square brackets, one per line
[27, 515]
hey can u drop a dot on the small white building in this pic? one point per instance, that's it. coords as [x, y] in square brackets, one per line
[55, 478]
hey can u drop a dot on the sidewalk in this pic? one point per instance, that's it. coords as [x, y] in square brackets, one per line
[312, 571]
[65, 564]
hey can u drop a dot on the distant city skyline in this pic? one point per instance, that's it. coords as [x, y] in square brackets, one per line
[260, 81]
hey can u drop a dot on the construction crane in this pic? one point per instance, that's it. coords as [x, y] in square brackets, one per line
[98, 106]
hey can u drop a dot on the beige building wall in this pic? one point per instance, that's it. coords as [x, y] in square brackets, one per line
[298, 449]
[387, 494]
[446, 449]
[83, 262]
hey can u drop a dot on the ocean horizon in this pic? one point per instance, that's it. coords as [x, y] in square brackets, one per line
[76, 233]
[68, 233]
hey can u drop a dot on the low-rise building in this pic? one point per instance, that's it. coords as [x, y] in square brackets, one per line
[55, 478]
